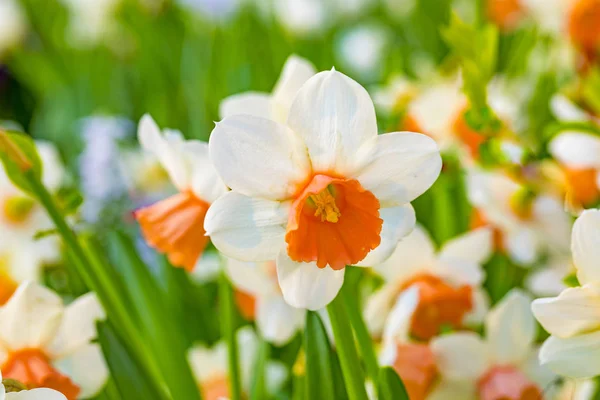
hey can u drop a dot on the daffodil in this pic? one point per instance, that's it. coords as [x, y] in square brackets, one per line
[319, 193]
[448, 282]
[210, 368]
[527, 225]
[275, 105]
[44, 344]
[572, 317]
[175, 225]
[15, 393]
[504, 365]
[259, 298]
[21, 217]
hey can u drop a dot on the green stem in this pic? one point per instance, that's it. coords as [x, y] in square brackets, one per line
[85, 264]
[228, 332]
[344, 341]
[365, 343]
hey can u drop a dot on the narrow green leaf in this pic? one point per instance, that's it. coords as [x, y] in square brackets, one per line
[318, 378]
[259, 384]
[228, 332]
[390, 385]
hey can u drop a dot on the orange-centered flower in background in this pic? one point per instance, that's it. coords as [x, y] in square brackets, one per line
[175, 226]
[584, 24]
[503, 365]
[321, 192]
[448, 282]
[505, 13]
[41, 341]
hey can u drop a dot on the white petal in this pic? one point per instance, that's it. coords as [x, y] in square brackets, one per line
[460, 272]
[36, 394]
[277, 321]
[576, 149]
[576, 357]
[475, 246]
[397, 223]
[87, 368]
[553, 223]
[53, 171]
[295, 73]
[207, 363]
[248, 347]
[78, 326]
[538, 373]
[205, 181]
[547, 281]
[258, 157]
[304, 285]
[460, 356]
[522, 244]
[397, 326]
[585, 245]
[30, 318]
[208, 267]
[576, 310]
[378, 307]
[481, 305]
[563, 108]
[168, 148]
[251, 277]
[403, 166]
[412, 254]
[249, 103]
[245, 228]
[510, 328]
[334, 116]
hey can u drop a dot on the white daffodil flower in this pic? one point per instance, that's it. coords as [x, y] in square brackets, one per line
[275, 105]
[528, 226]
[448, 282]
[21, 218]
[573, 318]
[319, 193]
[34, 394]
[503, 365]
[175, 225]
[45, 344]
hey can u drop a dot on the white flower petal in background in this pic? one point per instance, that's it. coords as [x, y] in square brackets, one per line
[302, 17]
[361, 49]
[304, 285]
[13, 24]
[475, 246]
[576, 149]
[461, 356]
[277, 321]
[248, 103]
[36, 394]
[511, 329]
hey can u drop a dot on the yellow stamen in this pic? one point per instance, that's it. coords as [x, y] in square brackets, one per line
[18, 208]
[521, 203]
[326, 207]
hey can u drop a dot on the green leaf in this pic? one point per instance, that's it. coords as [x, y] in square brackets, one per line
[318, 378]
[571, 280]
[12, 142]
[259, 387]
[591, 90]
[69, 200]
[128, 375]
[390, 385]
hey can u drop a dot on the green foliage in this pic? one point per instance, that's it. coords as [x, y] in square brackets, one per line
[318, 379]
[391, 386]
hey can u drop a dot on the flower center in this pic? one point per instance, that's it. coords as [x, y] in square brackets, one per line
[18, 208]
[584, 24]
[507, 383]
[324, 202]
[333, 221]
[439, 305]
[415, 364]
[32, 367]
[469, 137]
[581, 186]
[175, 226]
[521, 204]
[215, 388]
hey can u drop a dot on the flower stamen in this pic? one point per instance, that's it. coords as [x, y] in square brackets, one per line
[325, 206]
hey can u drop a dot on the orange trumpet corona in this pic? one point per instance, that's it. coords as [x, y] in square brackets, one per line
[175, 227]
[333, 221]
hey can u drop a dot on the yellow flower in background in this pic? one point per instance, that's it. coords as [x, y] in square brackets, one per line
[319, 193]
[44, 344]
[175, 225]
[21, 218]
